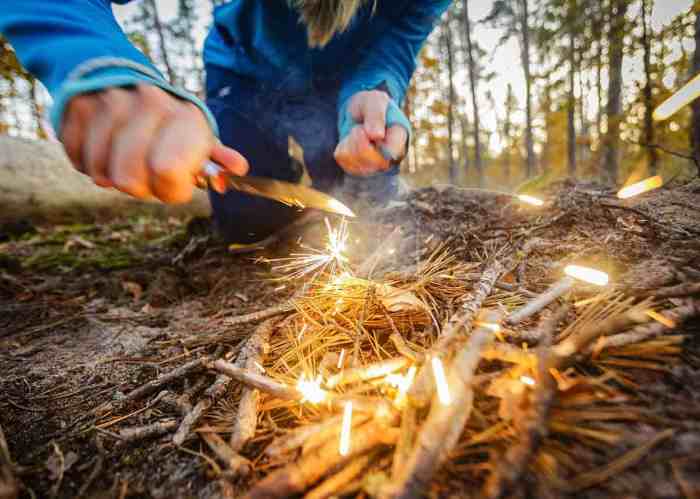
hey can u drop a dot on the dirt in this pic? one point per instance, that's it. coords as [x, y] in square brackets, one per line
[90, 312]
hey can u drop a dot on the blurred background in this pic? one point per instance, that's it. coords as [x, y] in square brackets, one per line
[507, 91]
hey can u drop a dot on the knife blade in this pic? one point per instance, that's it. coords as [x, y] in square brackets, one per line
[285, 192]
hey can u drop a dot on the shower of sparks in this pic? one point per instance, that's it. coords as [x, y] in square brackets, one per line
[344, 447]
[586, 274]
[341, 359]
[527, 380]
[660, 318]
[311, 390]
[645, 185]
[443, 390]
[315, 261]
[530, 200]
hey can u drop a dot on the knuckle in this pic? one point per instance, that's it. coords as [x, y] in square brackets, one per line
[153, 97]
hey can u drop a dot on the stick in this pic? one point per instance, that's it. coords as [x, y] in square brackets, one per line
[422, 389]
[260, 315]
[405, 441]
[147, 431]
[332, 485]
[403, 348]
[685, 289]
[444, 424]
[558, 289]
[508, 471]
[247, 414]
[152, 386]
[367, 372]
[642, 332]
[238, 465]
[298, 476]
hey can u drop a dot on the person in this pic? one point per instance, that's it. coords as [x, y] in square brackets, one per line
[332, 74]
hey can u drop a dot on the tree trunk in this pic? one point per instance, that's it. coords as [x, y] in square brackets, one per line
[695, 129]
[618, 9]
[161, 41]
[529, 144]
[599, 34]
[506, 135]
[649, 139]
[473, 76]
[571, 105]
[447, 40]
[464, 125]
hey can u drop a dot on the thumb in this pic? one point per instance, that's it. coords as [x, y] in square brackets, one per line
[230, 159]
[396, 139]
[371, 112]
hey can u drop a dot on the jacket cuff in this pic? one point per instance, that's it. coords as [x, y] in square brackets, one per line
[394, 116]
[101, 73]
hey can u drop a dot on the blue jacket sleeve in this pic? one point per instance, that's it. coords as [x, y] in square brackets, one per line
[392, 61]
[76, 46]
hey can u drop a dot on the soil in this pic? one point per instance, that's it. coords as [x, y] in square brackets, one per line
[90, 312]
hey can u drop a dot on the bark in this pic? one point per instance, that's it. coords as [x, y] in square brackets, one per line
[598, 33]
[695, 127]
[507, 130]
[160, 32]
[473, 77]
[618, 9]
[649, 135]
[449, 49]
[529, 144]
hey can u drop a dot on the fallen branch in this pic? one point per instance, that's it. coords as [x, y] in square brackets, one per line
[558, 289]
[445, 423]
[298, 476]
[261, 315]
[237, 464]
[147, 431]
[681, 290]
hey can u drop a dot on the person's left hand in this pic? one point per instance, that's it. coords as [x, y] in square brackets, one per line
[357, 153]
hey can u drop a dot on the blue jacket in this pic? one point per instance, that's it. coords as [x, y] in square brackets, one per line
[75, 46]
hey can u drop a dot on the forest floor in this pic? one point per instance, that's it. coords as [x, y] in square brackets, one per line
[89, 313]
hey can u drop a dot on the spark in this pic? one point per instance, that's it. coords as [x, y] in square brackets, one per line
[344, 447]
[645, 185]
[402, 383]
[311, 390]
[280, 288]
[341, 359]
[530, 200]
[660, 318]
[330, 259]
[586, 274]
[491, 326]
[684, 96]
[260, 367]
[527, 380]
[440, 381]
[392, 251]
[301, 333]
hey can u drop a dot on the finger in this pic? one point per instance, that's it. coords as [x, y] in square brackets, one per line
[78, 113]
[178, 153]
[113, 114]
[366, 152]
[230, 159]
[345, 159]
[373, 114]
[128, 169]
[396, 141]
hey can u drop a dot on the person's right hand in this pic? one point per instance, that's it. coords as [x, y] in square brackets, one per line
[143, 141]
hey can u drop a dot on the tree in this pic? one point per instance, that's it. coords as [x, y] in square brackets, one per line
[473, 77]
[616, 33]
[448, 47]
[512, 17]
[695, 126]
[152, 12]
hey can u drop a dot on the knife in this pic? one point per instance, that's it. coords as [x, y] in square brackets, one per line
[287, 193]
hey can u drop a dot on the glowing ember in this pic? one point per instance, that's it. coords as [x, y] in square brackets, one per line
[491, 326]
[660, 318]
[443, 390]
[344, 447]
[586, 274]
[530, 200]
[645, 185]
[311, 390]
[341, 359]
[527, 380]
[684, 96]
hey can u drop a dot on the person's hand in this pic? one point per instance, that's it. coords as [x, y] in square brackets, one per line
[357, 153]
[142, 141]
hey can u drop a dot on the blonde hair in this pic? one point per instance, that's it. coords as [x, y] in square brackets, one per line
[326, 18]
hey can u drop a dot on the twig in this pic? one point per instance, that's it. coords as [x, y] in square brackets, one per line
[404, 445]
[534, 428]
[332, 485]
[148, 431]
[152, 386]
[559, 288]
[402, 347]
[685, 289]
[260, 315]
[445, 423]
[238, 465]
[292, 440]
[593, 477]
[367, 372]
[642, 332]
[247, 414]
[298, 476]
